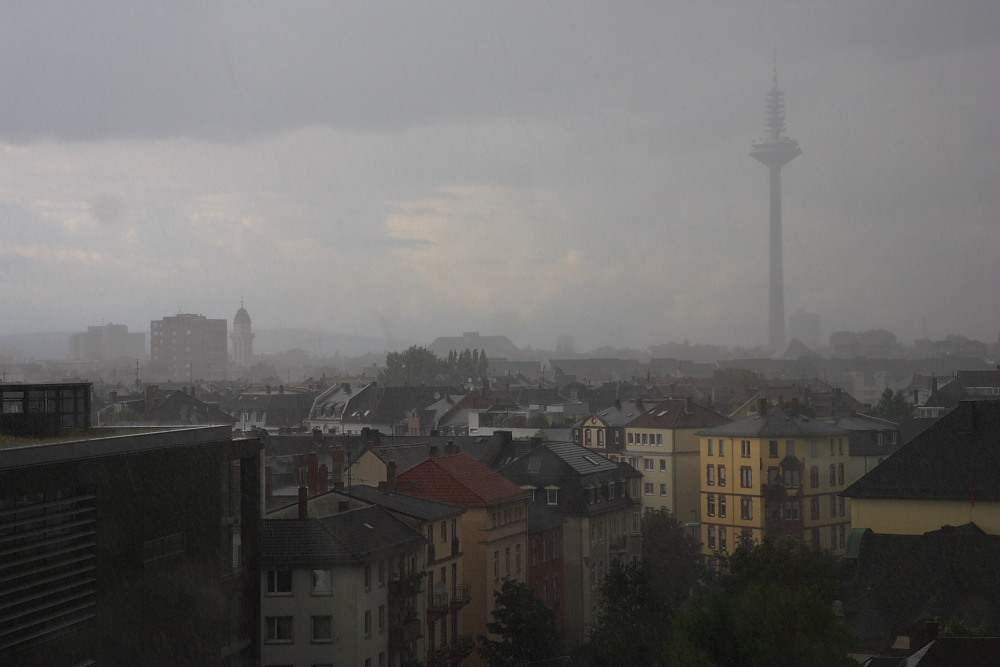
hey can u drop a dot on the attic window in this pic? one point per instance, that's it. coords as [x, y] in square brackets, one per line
[592, 459]
[368, 526]
[662, 413]
[534, 464]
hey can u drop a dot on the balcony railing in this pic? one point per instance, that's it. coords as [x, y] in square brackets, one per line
[437, 603]
[451, 654]
[405, 632]
[456, 547]
[461, 595]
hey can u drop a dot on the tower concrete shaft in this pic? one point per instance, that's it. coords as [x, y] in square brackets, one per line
[775, 151]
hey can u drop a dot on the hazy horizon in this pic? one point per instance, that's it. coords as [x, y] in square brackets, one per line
[412, 170]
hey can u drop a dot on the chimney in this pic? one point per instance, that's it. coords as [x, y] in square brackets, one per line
[432, 452]
[312, 473]
[268, 482]
[298, 465]
[324, 479]
[303, 502]
[688, 407]
[390, 476]
[933, 384]
[762, 406]
[639, 405]
[338, 468]
[317, 436]
[451, 449]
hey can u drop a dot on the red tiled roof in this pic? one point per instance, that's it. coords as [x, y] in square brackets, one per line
[458, 480]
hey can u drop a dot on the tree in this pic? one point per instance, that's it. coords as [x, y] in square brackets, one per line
[633, 624]
[526, 627]
[774, 607]
[414, 366]
[673, 555]
[892, 405]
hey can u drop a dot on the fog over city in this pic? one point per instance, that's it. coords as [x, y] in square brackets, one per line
[414, 169]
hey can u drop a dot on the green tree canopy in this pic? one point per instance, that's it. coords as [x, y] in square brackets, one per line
[774, 608]
[892, 405]
[673, 555]
[526, 628]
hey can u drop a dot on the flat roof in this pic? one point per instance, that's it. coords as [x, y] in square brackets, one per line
[24, 452]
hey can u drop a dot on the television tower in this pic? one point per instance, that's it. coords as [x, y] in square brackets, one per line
[774, 151]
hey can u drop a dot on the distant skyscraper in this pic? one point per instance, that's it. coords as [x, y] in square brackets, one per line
[775, 151]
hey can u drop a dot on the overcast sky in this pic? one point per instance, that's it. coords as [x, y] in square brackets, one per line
[416, 169]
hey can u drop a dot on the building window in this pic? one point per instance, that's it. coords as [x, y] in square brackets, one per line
[746, 508]
[710, 446]
[723, 546]
[813, 449]
[659, 438]
[722, 447]
[745, 448]
[663, 489]
[722, 506]
[774, 510]
[279, 582]
[506, 561]
[833, 537]
[368, 623]
[840, 474]
[843, 535]
[663, 465]
[496, 564]
[710, 475]
[381, 618]
[517, 557]
[322, 582]
[600, 438]
[833, 474]
[841, 502]
[647, 465]
[711, 505]
[647, 489]
[792, 478]
[645, 438]
[746, 477]
[322, 629]
[814, 476]
[814, 508]
[711, 537]
[630, 438]
[722, 475]
[279, 629]
[789, 448]
[587, 437]
[552, 496]
[368, 577]
[792, 510]
[746, 536]
[840, 450]
[772, 449]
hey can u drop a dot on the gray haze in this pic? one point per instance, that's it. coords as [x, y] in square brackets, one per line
[415, 169]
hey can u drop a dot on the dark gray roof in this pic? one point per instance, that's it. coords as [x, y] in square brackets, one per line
[899, 580]
[354, 536]
[776, 423]
[956, 458]
[418, 508]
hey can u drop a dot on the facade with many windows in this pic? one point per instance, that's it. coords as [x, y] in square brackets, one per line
[342, 589]
[774, 475]
[597, 498]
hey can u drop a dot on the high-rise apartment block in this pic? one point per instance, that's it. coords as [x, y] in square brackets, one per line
[187, 347]
[109, 341]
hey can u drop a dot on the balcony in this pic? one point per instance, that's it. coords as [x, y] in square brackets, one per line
[430, 553]
[405, 632]
[437, 605]
[456, 547]
[447, 655]
[460, 596]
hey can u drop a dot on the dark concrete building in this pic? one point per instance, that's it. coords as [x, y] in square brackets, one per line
[130, 548]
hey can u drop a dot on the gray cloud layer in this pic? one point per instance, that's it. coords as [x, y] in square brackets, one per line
[527, 168]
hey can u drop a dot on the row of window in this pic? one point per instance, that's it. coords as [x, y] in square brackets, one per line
[716, 506]
[506, 561]
[500, 518]
[838, 507]
[719, 447]
[544, 547]
[645, 439]
[281, 629]
[715, 474]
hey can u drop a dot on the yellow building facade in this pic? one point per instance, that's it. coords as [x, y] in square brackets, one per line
[774, 475]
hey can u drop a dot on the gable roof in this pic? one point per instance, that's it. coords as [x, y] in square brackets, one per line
[674, 413]
[458, 480]
[957, 458]
[401, 503]
[776, 423]
[900, 580]
[354, 536]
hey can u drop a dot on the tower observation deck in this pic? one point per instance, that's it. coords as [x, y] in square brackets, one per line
[774, 151]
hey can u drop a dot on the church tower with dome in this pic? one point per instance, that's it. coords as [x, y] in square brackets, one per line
[242, 338]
